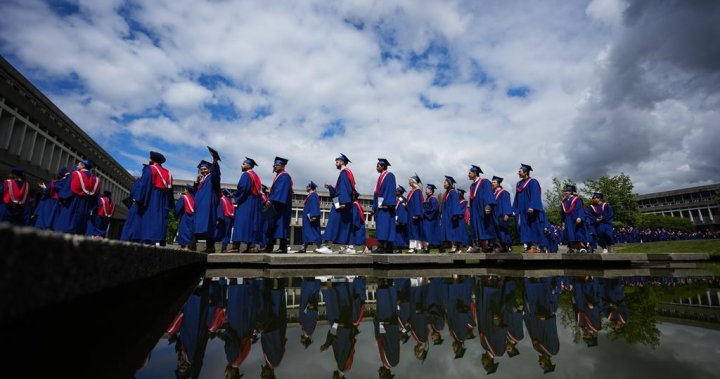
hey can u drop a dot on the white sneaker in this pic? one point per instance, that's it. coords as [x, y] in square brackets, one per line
[324, 250]
[605, 251]
[349, 250]
[583, 251]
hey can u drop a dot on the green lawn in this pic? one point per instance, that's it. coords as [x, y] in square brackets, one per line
[690, 246]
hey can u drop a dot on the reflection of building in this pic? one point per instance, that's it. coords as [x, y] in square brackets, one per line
[298, 200]
[698, 204]
[702, 310]
[38, 136]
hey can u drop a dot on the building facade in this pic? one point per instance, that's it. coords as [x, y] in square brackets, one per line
[698, 204]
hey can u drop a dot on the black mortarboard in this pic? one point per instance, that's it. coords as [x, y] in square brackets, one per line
[250, 161]
[343, 158]
[204, 163]
[19, 171]
[525, 167]
[570, 187]
[476, 169]
[432, 187]
[548, 368]
[264, 188]
[497, 179]
[88, 163]
[400, 189]
[312, 185]
[416, 178]
[280, 161]
[128, 202]
[305, 341]
[226, 192]
[214, 153]
[460, 353]
[450, 179]
[62, 171]
[513, 352]
[157, 157]
[189, 187]
[489, 364]
[598, 195]
[462, 191]
[107, 194]
[383, 162]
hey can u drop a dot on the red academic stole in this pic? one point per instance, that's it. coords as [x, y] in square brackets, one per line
[189, 202]
[256, 188]
[161, 177]
[473, 192]
[81, 185]
[106, 208]
[360, 210]
[380, 181]
[412, 192]
[467, 212]
[445, 195]
[277, 177]
[228, 209]
[498, 193]
[569, 209]
[15, 194]
[351, 178]
[600, 211]
[522, 184]
[53, 191]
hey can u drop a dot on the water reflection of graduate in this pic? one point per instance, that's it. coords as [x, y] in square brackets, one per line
[419, 327]
[190, 333]
[239, 333]
[460, 313]
[271, 322]
[345, 306]
[491, 324]
[616, 310]
[437, 298]
[308, 310]
[513, 316]
[541, 302]
[587, 303]
[217, 304]
[387, 330]
[402, 286]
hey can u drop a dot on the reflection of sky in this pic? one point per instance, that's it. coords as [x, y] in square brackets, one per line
[684, 352]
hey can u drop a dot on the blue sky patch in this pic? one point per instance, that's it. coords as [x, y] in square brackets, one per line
[522, 91]
[214, 81]
[223, 111]
[436, 57]
[64, 8]
[355, 23]
[335, 128]
[260, 113]
[427, 103]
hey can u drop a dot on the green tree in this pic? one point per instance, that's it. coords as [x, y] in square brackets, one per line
[172, 227]
[618, 191]
[645, 221]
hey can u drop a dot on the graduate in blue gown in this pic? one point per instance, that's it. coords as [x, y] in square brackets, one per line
[419, 317]
[436, 302]
[358, 232]
[573, 217]
[460, 313]
[100, 216]
[451, 216]
[464, 220]
[431, 218]
[526, 208]
[15, 198]
[239, 333]
[280, 199]
[387, 329]
[502, 211]
[492, 328]
[512, 315]
[384, 200]
[588, 305]
[415, 213]
[131, 227]
[345, 306]
[154, 197]
[266, 221]
[602, 215]
[311, 218]
[76, 199]
[341, 225]
[249, 198]
[226, 218]
[272, 322]
[185, 213]
[47, 208]
[402, 288]
[541, 304]
[401, 221]
[482, 202]
[308, 310]
[192, 336]
[615, 309]
[207, 198]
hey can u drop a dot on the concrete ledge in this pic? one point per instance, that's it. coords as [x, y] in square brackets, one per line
[409, 259]
[634, 257]
[318, 259]
[236, 258]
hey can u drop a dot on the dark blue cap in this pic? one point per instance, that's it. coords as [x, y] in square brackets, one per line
[226, 192]
[312, 185]
[525, 167]
[570, 187]
[343, 158]
[383, 162]
[157, 157]
[19, 171]
[432, 187]
[497, 179]
[62, 171]
[189, 187]
[416, 178]
[462, 191]
[107, 193]
[476, 169]
[250, 161]
[450, 179]
[400, 189]
[88, 163]
[280, 161]
[264, 188]
[204, 163]
[598, 195]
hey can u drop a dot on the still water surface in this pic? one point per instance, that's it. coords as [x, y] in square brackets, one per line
[453, 327]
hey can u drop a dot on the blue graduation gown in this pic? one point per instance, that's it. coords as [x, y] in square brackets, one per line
[281, 197]
[46, 208]
[385, 217]
[131, 227]
[185, 233]
[571, 210]
[309, 291]
[206, 202]
[459, 310]
[481, 195]
[615, 307]
[193, 333]
[431, 221]
[488, 300]
[602, 218]
[311, 229]
[240, 318]
[247, 226]
[463, 223]
[415, 215]
[502, 208]
[153, 208]
[341, 224]
[512, 318]
[401, 224]
[273, 318]
[223, 230]
[402, 287]
[388, 341]
[528, 196]
[419, 317]
[452, 218]
[74, 210]
[541, 299]
[97, 225]
[359, 233]
[585, 293]
[437, 299]
[14, 213]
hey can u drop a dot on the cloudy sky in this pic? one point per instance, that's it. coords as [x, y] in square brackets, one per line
[577, 89]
